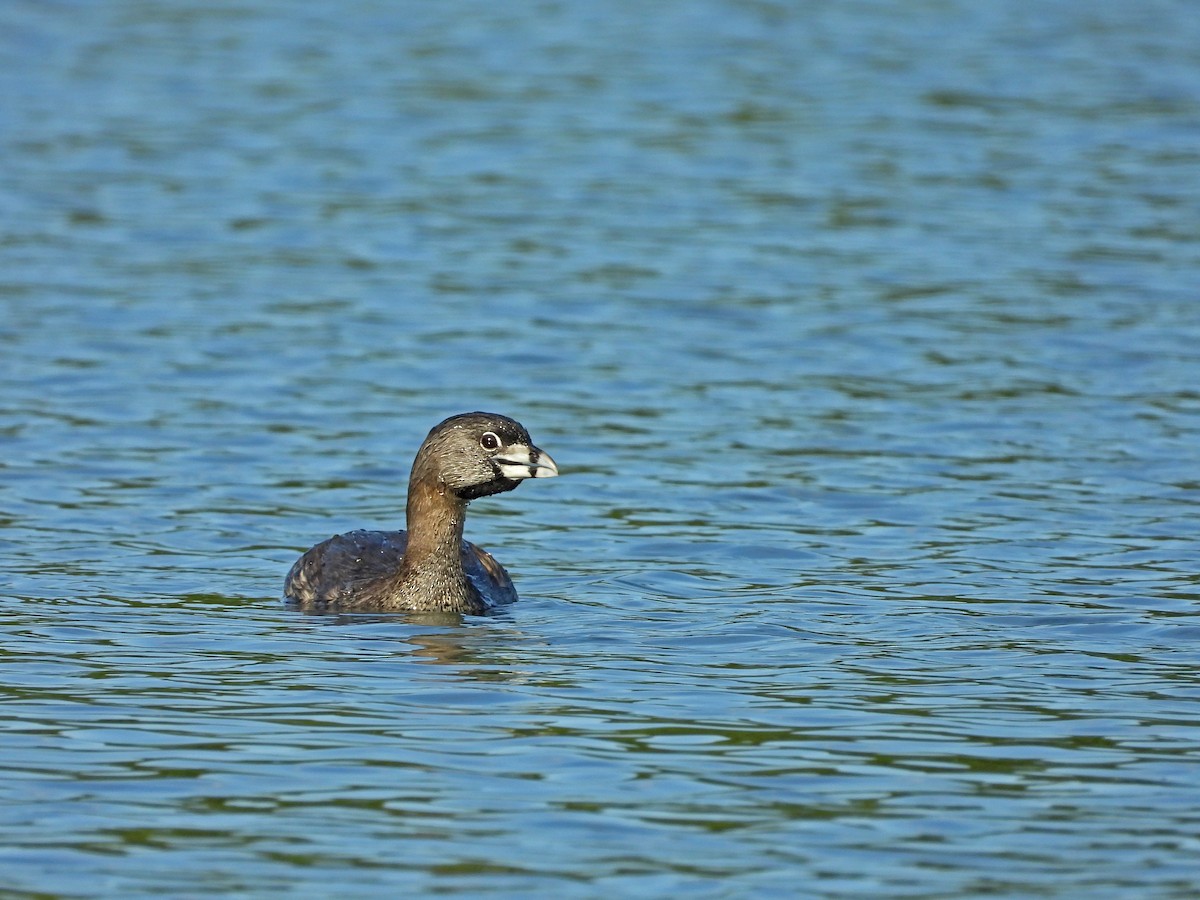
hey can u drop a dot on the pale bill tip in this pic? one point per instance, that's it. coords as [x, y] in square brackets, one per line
[526, 462]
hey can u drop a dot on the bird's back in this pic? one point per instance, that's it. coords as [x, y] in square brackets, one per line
[349, 568]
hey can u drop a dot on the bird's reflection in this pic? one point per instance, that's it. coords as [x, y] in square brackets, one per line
[444, 638]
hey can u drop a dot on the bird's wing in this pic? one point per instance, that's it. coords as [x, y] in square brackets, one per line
[487, 576]
[333, 570]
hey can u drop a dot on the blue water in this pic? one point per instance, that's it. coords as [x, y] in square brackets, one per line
[866, 336]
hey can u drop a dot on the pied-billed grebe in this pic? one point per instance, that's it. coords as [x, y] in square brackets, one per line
[429, 567]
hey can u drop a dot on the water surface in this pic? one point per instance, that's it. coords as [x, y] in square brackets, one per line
[866, 337]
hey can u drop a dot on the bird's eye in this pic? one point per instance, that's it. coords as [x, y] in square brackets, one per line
[489, 441]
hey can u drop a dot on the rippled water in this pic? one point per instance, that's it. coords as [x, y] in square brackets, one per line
[868, 341]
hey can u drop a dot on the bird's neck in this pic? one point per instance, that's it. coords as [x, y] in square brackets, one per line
[435, 527]
[432, 575]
